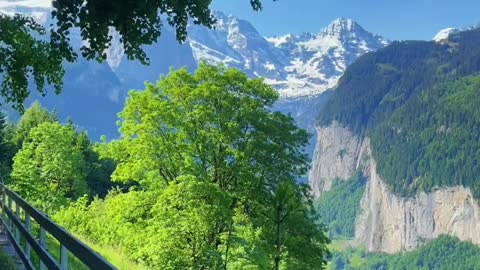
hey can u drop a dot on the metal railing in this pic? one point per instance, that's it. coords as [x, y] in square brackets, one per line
[17, 229]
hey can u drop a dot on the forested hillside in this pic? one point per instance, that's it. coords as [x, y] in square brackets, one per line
[338, 207]
[443, 253]
[418, 103]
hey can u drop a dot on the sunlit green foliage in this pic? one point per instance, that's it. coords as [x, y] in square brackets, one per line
[217, 177]
[33, 116]
[97, 171]
[49, 168]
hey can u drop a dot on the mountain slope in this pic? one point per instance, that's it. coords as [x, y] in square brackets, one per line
[407, 116]
[416, 104]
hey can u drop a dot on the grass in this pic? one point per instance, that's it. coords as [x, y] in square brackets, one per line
[114, 255]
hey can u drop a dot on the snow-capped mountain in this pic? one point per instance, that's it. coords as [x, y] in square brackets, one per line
[296, 65]
[301, 67]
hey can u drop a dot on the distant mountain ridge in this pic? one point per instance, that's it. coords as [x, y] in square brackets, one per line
[296, 65]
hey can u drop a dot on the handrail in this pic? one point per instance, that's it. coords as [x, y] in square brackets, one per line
[15, 228]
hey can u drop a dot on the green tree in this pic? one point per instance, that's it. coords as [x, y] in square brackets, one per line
[186, 220]
[27, 52]
[32, 117]
[215, 126]
[97, 171]
[246, 246]
[48, 170]
[293, 230]
[7, 148]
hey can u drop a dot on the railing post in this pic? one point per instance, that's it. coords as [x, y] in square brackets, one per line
[17, 215]
[4, 200]
[28, 225]
[64, 257]
[43, 243]
[10, 222]
[17, 231]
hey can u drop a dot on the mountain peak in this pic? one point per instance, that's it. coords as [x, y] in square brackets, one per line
[342, 25]
[344, 22]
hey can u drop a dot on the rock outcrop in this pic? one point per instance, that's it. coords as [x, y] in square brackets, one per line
[390, 223]
[338, 154]
[387, 222]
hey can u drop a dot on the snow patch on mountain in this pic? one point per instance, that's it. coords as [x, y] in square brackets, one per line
[116, 51]
[444, 34]
[296, 65]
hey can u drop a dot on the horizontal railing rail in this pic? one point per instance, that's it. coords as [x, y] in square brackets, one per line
[15, 228]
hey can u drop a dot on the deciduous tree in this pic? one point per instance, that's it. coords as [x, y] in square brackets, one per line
[215, 128]
[48, 170]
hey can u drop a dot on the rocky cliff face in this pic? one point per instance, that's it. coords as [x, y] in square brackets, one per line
[387, 222]
[338, 154]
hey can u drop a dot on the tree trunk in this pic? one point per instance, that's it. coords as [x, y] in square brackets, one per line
[278, 242]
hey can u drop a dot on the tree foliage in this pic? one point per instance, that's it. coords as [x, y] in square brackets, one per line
[33, 116]
[338, 207]
[217, 172]
[27, 51]
[24, 54]
[97, 170]
[49, 168]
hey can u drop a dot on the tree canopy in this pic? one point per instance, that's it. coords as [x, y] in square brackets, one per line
[27, 51]
[216, 172]
[34, 116]
[48, 163]
[49, 168]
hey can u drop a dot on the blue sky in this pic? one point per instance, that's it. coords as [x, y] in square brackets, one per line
[393, 19]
